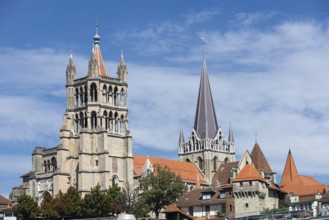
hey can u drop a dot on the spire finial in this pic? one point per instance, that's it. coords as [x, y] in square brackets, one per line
[256, 138]
[96, 37]
[71, 54]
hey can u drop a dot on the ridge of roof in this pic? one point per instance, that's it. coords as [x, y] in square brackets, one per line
[259, 159]
[205, 123]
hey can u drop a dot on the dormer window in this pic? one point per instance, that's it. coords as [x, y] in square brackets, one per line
[206, 196]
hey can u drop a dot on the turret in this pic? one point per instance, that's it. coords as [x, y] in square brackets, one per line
[71, 71]
[71, 74]
[122, 69]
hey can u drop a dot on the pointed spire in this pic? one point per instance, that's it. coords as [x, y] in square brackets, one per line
[181, 137]
[205, 123]
[122, 69]
[96, 52]
[230, 135]
[71, 70]
[290, 170]
[259, 159]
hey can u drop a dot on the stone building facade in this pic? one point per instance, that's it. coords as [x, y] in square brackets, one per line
[95, 142]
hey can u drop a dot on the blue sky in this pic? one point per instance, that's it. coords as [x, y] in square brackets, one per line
[267, 64]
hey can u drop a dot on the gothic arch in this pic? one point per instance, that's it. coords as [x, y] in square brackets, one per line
[93, 119]
[122, 97]
[110, 95]
[54, 164]
[200, 163]
[122, 123]
[93, 92]
[187, 160]
[226, 160]
[105, 94]
[115, 180]
[215, 162]
[115, 101]
[106, 119]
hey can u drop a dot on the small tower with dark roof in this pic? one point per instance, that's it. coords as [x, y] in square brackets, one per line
[207, 146]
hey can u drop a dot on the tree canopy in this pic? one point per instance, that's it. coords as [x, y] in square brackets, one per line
[161, 188]
[26, 207]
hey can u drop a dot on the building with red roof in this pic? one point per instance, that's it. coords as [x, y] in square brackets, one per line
[303, 192]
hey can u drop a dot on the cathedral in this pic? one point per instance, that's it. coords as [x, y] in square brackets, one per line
[96, 147]
[96, 143]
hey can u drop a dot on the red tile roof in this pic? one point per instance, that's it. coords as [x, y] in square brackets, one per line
[4, 201]
[248, 173]
[100, 61]
[187, 171]
[292, 182]
[259, 159]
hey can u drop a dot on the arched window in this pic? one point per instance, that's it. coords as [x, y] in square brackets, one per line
[93, 92]
[45, 165]
[115, 180]
[105, 94]
[187, 160]
[226, 160]
[215, 163]
[81, 97]
[200, 161]
[116, 122]
[110, 95]
[93, 119]
[77, 97]
[106, 120]
[76, 123]
[53, 163]
[85, 95]
[122, 98]
[111, 121]
[81, 120]
[122, 124]
[115, 96]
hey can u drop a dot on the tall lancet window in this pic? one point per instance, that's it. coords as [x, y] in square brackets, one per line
[122, 98]
[116, 121]
[106, 120]
[81, 120]
[115, 96]
[93, 92]
[200, 160]
[215, 163]
[93, 119]
[122, 124]
[105, 94]
[81, 97]
[76, 123]
[110, 97]
[77, 97]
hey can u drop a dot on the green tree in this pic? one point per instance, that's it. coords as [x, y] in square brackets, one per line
[26, 207]
[69, 204]
[47, 207]
[115, 200]
[139, 208]
[95, 203]
[161, 188]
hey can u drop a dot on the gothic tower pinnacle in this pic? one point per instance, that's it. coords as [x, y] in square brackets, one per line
[207, 145]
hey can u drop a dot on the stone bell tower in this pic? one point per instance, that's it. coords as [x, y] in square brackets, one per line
[95, 142]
